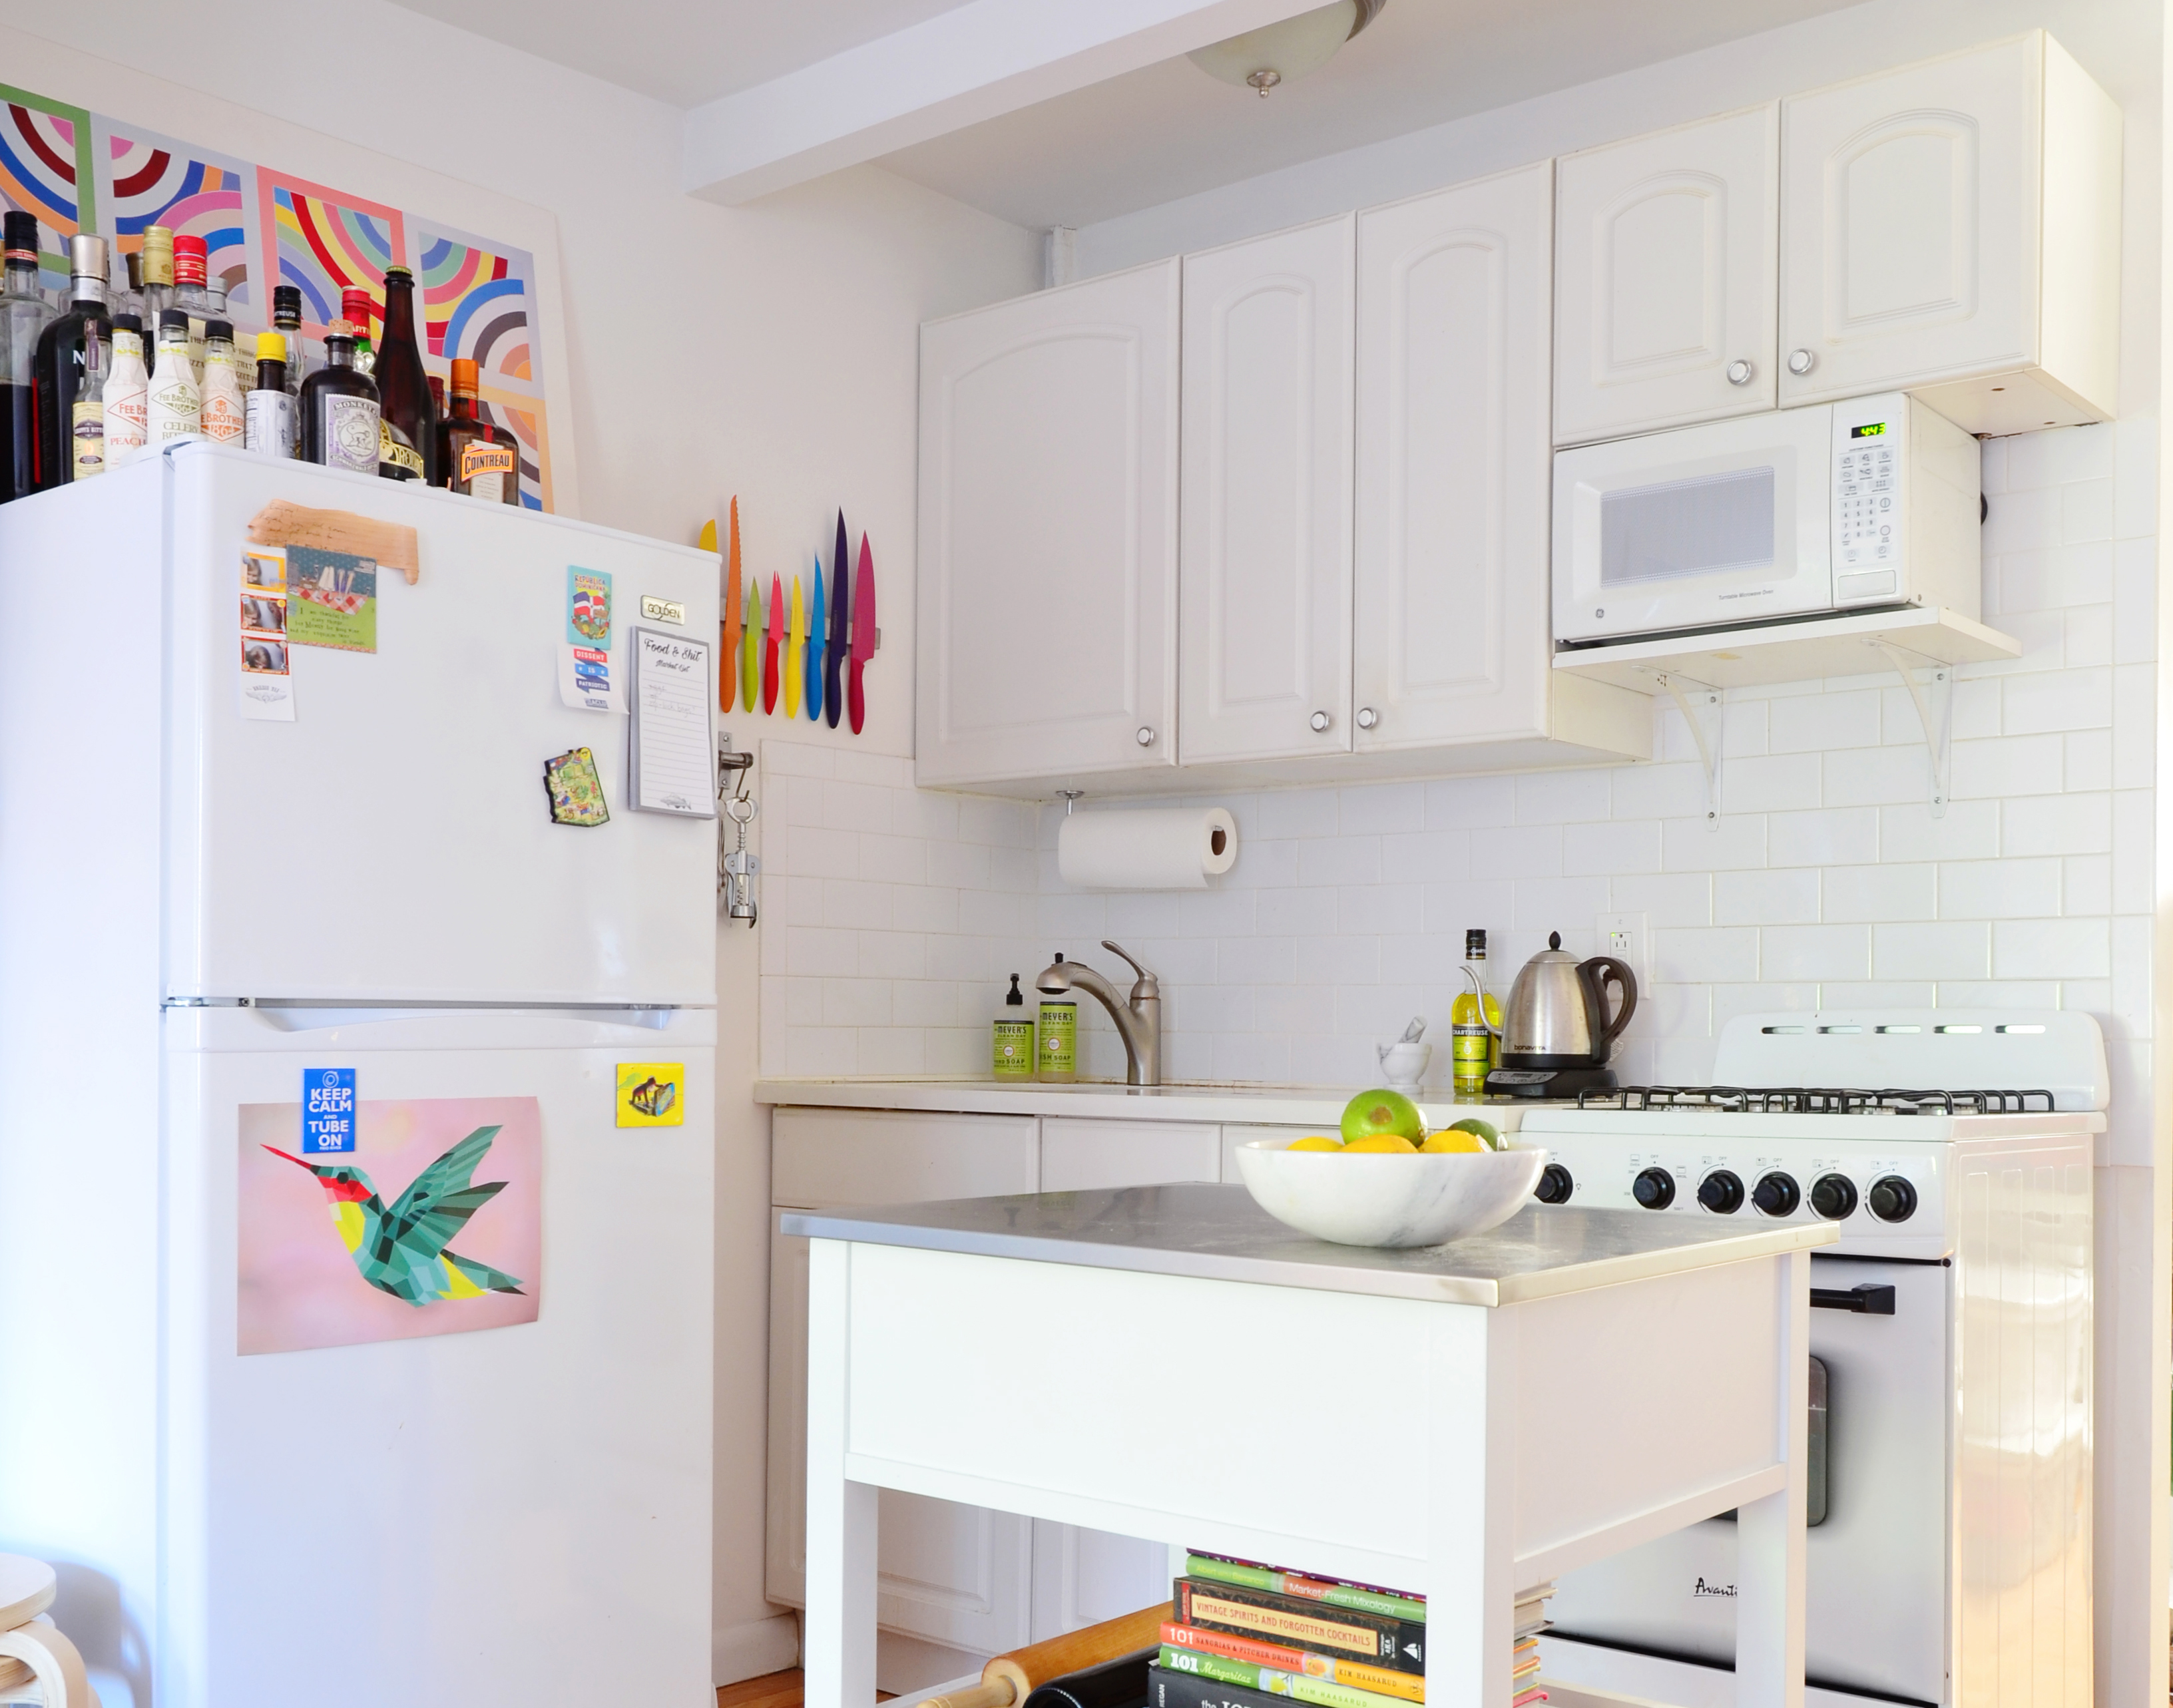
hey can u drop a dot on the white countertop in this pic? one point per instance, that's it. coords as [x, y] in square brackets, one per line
[1319, 1106]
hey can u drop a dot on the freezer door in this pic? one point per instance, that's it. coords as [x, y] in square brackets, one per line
[464, 1513]
[393, 842]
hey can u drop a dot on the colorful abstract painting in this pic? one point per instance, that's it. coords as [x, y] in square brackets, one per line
[475, 303]
[325, 240]
[432, 1225]
[45, 170]
[154, 180]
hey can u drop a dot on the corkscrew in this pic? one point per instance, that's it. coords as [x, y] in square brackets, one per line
[736, 871]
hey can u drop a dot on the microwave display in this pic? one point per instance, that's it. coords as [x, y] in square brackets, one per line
[1870, 429]
[1706, 525]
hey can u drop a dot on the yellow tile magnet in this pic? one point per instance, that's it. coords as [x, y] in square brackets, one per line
[651, 1094]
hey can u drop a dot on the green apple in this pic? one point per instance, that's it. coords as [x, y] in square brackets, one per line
[1383, 1111]
[1486, 1130]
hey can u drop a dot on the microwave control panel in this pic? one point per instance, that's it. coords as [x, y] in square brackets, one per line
[1871, 440]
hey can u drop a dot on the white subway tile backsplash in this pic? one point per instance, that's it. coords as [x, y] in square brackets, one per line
[892, 915]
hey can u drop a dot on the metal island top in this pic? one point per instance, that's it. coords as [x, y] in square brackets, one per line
[1218, 1233]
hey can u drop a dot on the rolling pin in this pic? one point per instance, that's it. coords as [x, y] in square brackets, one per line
[1009, 1679]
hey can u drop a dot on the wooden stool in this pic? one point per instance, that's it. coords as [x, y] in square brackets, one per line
[37, 1663]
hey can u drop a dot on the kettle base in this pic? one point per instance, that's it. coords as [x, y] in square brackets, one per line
[1548, 1082]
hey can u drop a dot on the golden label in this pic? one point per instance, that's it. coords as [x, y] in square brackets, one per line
[397, 451]
[478, 457]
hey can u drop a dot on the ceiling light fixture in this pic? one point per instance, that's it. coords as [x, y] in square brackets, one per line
[1281, 53]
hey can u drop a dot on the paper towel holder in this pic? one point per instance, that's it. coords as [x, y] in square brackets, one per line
[1071, 799]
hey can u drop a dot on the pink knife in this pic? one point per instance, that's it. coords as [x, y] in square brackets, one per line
[864, 634]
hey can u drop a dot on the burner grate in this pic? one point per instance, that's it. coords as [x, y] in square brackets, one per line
[1813, 1100]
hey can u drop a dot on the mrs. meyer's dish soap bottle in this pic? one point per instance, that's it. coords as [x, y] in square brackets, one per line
[1014, 1039]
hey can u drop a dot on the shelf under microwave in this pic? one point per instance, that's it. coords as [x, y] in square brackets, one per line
[1792, 649]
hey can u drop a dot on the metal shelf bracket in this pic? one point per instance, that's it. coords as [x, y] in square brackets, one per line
[1702, 710]
[1935, 716]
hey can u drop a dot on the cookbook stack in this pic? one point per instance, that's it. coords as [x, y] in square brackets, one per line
[1242, 1634]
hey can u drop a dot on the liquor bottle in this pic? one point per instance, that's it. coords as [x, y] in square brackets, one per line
[127, 393]
[438, 396]
[407, 425]
[287, 321]
[174, 408]
[56, 371]
[87, 415]
[130, 299]
[1474, 1049]
[269, 416]
[158, 286]
[223, 406]
[359, 308]
[474, 456]
[339, 408]
[190, 293]
[25, 313]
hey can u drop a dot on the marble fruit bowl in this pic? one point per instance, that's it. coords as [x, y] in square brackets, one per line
[1389, 1200]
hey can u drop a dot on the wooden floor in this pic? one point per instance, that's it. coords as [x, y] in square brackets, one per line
[771, 1691]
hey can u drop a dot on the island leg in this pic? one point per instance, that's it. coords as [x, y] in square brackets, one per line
[1470, 1464]
[839, 1642]
[1769, 1533]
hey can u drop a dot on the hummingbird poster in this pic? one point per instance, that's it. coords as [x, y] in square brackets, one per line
[432, 1226]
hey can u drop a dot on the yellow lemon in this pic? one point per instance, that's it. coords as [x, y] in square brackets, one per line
[1379, 1142]
[1454, 1139]
[1315, 1142]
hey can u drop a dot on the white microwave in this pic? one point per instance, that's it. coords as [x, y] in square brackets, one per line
[1840, 507]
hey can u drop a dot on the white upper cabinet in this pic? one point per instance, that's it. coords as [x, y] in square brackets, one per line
[1264, 591]
[1452, 593]
[1048, 584]
[1666, 277]
[1953, 228]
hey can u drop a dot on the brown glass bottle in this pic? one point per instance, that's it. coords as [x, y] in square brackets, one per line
[474, 456]
[407, 446]
[339, 408]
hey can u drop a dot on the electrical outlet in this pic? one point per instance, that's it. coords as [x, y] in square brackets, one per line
[1624, 936]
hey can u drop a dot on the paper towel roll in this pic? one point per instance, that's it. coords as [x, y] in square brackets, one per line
[1174, 848]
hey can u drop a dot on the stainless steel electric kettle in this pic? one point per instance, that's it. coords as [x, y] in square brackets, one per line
[1556, 1033]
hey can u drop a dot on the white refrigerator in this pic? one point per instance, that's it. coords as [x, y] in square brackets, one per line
[201, 905]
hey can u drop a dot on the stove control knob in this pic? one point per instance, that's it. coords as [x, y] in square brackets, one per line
[1777, 1194]
[1720, 1192]
[1833, 1196]
[1655, 1189]
[1555, 1185]
[1891, 1198]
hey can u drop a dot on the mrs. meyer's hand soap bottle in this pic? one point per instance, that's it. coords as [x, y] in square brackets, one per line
[1014, 1039]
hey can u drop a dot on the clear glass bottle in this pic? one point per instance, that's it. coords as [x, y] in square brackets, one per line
[87, 415]
[24, 314]
[269, 413]
[223, 405]
[129, 300]
[1474, 1050]
[407, 424]
[191, 293]
[174, 408]
[58, 370]
[127, 393]
[474, 456]
[339, 408]
[157, 254]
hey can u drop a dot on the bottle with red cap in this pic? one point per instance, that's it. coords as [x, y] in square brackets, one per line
[359, 309]
[191, 264]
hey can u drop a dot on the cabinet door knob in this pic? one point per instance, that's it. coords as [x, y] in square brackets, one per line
[1802, 361]
[1367, 717]
[1320, 722]
[1146, 737]
[1740, 373]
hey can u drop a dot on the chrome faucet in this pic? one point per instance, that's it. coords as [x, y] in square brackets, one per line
[1139, 1022]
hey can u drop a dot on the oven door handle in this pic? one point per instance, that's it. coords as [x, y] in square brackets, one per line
[1872, 1299]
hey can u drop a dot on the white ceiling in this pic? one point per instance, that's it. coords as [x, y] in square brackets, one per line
[1170, 130]
[683, 53]
[1154, 134]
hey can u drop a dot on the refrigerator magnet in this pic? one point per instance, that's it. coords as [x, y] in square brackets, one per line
[649, 1094]
[327, 1111]
[575, 788]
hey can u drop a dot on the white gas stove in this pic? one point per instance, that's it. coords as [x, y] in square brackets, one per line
[1951, 1349]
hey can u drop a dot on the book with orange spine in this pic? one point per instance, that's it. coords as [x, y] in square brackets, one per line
[1257, 1652]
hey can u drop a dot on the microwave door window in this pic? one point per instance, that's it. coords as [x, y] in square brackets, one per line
[1709, 525]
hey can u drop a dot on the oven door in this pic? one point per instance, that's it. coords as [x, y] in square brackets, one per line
[1724, 524]
[1876, 1614]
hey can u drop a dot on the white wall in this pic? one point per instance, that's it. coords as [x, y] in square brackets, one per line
[768, 351]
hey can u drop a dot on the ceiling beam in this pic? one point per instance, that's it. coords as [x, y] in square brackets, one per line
[976, 62]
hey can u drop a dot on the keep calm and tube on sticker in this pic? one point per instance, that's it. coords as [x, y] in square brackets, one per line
[327, 1111]
[652, 1094]
[587, 681]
